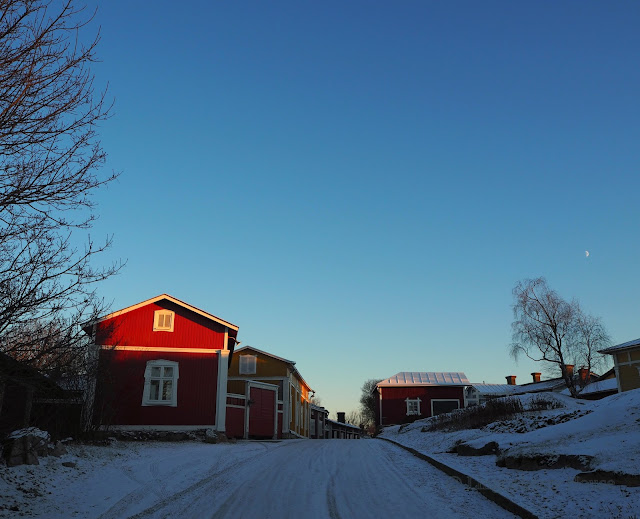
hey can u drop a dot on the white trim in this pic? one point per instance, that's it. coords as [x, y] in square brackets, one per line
[173, 300]
[268, 387]
[147, 401]
[616, 369]
[226, 338]
[265, 353]
[444, 400]
[380, 389]
[411, 401]
[235, 395]
[221, 400]
[161, 349]
[164, 313]
[264, 385]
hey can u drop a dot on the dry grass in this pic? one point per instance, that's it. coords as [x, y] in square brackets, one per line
[477, 416]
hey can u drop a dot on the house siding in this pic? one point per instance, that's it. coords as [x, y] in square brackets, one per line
[119, 396]
[135, 328]
[394, 407]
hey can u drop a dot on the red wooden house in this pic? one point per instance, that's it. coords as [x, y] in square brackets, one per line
[162, 364]
[410, 396]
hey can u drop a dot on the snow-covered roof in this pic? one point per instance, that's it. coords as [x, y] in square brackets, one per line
[347, 425]
[613, 349]
[534, 387]
[609, 384]
[413, 378]
[495, 389]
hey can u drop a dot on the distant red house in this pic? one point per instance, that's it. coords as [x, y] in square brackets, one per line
[409, 396]
[162, 365]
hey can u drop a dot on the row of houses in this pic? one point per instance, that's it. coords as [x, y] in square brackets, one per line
[409, 396]
[166, 365]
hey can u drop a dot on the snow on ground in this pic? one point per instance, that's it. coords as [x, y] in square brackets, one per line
[110, 479]
[287, 479]
[608, 429]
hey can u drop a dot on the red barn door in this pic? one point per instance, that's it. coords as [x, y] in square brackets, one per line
[262, 410]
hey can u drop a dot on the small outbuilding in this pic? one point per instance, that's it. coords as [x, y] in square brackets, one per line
[626, 363]
[267, 397]
[409, 396]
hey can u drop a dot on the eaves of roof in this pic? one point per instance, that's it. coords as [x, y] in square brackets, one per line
[620, 347]
[87, 326]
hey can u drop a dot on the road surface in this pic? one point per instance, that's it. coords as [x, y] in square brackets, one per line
[337, 479]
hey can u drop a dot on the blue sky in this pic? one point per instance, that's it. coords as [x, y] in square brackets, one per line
[360, 185]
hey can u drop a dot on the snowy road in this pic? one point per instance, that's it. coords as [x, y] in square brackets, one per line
[251, 480]
[326, 479]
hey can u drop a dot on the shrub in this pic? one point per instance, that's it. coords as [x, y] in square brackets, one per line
[542, 403]
[477, 416]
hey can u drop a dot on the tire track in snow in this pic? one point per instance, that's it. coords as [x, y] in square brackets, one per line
[157, 486]
[325, 478]
[214, 483]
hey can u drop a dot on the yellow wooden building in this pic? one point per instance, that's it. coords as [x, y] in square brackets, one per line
[626, 359]
[249, 366]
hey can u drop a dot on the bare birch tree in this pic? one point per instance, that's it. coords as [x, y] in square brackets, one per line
[590, 337]
[50, 159]
[546, 328]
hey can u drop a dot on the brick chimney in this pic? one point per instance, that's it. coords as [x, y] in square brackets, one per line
[583, 373]
[536, 376]
[511, 380]
[569, 368]
[341, 417]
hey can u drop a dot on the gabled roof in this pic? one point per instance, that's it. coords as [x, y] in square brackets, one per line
[619, 347]
[544, 385]
[265, 353]
[495, 389]
[23, 374]
[281, 359]
[414, 378]
[600, 386]
[162, 297]
[347, 425]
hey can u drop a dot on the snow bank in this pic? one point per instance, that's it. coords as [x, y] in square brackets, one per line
[607, 429]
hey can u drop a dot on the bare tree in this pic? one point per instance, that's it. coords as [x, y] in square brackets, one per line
[368, 402]
[355, 418]
[549, 329]
[49, 162]
[316, 400]
[590, 337]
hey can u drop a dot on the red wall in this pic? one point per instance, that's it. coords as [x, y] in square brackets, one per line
[394, 407]
[135, 328]
[235, 422]
[121, 384]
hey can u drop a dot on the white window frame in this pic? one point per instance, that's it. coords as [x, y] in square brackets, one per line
[247, 364]
[444, 400]
[148, 377]
[159, 319]
[411, 402]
